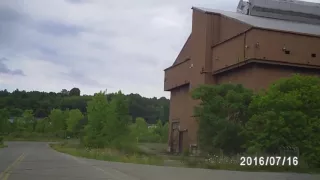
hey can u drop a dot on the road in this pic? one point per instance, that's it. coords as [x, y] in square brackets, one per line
[37, 161]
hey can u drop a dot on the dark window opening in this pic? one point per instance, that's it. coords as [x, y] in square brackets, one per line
[287, 51]
[313, 55]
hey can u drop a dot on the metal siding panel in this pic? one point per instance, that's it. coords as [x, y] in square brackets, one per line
[268, 23]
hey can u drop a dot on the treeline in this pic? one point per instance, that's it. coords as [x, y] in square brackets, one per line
[41, 104]
[233, 119]
[106, 123]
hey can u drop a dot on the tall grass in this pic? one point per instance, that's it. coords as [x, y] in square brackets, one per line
[2, 145]
[31, 136]
[108, 154]
[222, 161]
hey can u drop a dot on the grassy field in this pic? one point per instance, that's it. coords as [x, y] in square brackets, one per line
[108, 154]
[3, 146]
[153, 148]
[37, 139]
[155, 154]
[230, 163]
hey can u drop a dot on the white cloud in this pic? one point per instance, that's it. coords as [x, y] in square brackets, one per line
[95, 44]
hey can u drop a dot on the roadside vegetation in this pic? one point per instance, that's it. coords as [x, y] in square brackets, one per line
[282, 120]
[2, 145]
[43, 116]
[110, 133]
[106, 130]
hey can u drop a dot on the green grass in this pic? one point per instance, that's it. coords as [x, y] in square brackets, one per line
[3, 146]
[108, 154]
[36, 139]
[226, 163]
[153, 148]
[27, 136]
[154, 154]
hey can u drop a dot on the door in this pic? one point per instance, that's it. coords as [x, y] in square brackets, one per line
[181, 141]
[175, 137]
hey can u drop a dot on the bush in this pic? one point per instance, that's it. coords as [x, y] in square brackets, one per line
[1, 140]
[221, 115]
[287, 114]
[282, 120]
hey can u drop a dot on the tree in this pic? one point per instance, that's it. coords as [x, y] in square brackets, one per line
[140, 129]
[29, 120]
[287, 114]
[64, 92]
[221, 116]
[41, 103]
[58, 120]
[97, 112]
[74, 92]
[73, 120]
[4, 121]
[43, 126]
[116, 127]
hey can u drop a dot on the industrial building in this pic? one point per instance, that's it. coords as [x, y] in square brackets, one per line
[262, 41]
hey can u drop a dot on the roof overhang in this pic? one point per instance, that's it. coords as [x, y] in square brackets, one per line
[262, 61]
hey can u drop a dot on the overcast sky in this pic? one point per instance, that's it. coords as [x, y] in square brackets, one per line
[49, 45]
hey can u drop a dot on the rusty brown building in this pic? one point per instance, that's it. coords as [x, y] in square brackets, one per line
[263, 41]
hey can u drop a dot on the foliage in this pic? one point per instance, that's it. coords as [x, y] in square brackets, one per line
[222, 114]
[97, 115]
[157, 133]
[43, 126]
[104, 122]
[29, 120]
[4, 121]
[117, 125]
[74, 92]
[233, 120]
[108, 122]
[58, 119]
[108, 154]
[41, 103]
[139, 129]
[287, 115]
[1, 140]
[73, 121]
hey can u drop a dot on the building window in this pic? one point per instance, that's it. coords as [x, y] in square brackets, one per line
[313, 55]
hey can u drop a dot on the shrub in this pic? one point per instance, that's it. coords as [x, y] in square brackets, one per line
[1, 140]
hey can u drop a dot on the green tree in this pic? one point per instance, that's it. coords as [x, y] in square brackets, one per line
[140, 129]
[74, 92]
[73, 120]
[43, 125]
[165, 132]
[221, 115]
[29, 120]
[287, 114]
[58, 120]
[97, 113]
[116, 127]
[4, 121]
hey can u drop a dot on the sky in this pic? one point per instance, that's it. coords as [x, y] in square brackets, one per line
[50, 45]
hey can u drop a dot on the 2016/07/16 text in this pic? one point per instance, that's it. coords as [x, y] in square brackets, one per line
[269, 161]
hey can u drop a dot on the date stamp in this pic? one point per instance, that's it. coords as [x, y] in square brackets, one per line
[269, 161]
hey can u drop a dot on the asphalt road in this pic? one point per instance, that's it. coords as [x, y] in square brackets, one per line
[37, 161]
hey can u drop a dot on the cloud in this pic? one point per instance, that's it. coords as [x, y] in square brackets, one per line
[94, 44]
[4, 69]
[75, 1]
[58, 28]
